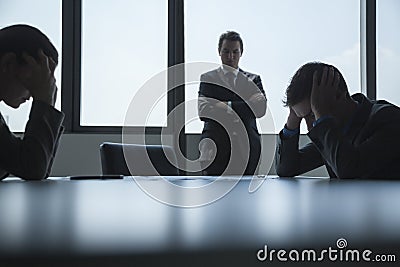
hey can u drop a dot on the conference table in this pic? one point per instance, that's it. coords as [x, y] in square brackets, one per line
[115, 222]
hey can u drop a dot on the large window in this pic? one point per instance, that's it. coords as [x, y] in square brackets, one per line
[46, 16]
[121, 44]
[124, 43]
[388, 50]
[279, 37]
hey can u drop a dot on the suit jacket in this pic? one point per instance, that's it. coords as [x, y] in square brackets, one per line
[218, 122]
[369, 148]
[31, 156]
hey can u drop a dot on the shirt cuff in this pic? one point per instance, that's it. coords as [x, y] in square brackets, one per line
[321, 119]
[289, 133]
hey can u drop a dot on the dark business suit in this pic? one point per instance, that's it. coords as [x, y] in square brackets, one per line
[214, 88]
[369, 148]
[31, 156]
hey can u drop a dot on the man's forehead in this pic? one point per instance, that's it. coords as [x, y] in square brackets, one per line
[229, 43]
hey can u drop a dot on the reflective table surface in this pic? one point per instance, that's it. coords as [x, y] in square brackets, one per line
[99, 222]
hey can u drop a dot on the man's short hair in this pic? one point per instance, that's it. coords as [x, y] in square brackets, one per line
[301, 83]
[22, 38]
[230, 36]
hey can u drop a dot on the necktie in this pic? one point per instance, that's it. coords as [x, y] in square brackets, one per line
[230, 78]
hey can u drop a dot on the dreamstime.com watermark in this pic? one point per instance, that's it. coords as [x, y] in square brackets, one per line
[339, 253]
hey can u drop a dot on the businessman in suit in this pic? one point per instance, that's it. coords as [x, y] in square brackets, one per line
[27, 63]
[353, 136]
[230, 99]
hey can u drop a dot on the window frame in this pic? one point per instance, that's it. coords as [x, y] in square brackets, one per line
[71, 69]
[71, 75]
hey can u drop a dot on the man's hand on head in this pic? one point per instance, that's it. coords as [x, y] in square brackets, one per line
[310, 118]
[41, 81]
[293, 121]
[323, 93]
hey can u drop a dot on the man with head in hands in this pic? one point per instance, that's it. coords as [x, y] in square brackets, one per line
[27, 63]
[352, 135]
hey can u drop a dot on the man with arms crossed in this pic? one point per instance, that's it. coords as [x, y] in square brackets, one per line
[230, 100]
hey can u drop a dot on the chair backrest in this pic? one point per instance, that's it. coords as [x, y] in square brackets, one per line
[143, 159]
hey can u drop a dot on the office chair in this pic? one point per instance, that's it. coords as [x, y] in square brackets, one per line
[144, 159]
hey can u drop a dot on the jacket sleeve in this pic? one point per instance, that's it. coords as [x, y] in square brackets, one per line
[30, 157]
[206, 104]
[377, 150]
[254, 109]
[207, 101]
[291, 161]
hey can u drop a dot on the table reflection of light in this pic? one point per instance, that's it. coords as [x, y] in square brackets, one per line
[12, 219]
[119, 219]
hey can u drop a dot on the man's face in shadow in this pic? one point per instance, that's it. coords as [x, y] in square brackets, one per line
[13, 91]
[230, 53]
[303, 108]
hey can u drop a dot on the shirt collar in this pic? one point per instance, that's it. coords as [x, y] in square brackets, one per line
[225, 70]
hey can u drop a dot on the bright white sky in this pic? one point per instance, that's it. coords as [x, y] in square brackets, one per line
[45, 15]
[124, 46]
[388, 56]
[279, 37]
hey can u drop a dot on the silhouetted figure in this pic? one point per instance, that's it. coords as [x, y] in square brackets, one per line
[230, 100]
[27, 63]
[353, 136]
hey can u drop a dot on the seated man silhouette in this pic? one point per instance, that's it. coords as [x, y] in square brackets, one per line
[27, 63]
[353, 136]
[230, 99]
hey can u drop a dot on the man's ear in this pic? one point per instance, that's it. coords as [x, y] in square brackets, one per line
[8, 62]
